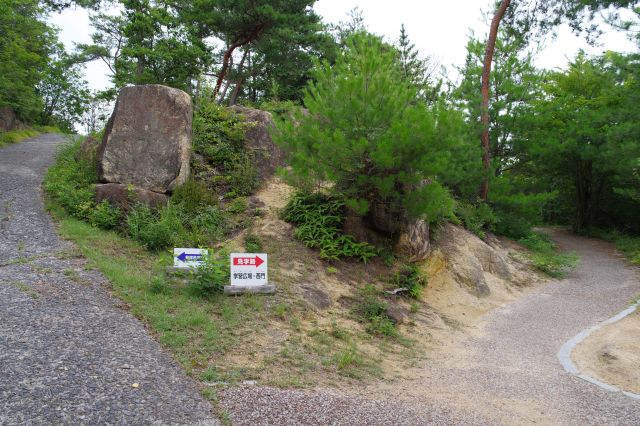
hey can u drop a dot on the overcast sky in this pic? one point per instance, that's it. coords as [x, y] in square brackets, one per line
[439, 29]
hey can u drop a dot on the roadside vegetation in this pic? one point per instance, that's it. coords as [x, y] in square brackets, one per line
[15, 136]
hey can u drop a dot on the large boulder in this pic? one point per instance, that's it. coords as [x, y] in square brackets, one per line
[147, 142]
[268, 156]
[126, 197]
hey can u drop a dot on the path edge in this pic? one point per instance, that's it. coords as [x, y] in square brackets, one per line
[564, 354]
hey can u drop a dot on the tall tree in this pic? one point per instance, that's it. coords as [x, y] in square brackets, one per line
[63, 91]
[241, 22]
[531, 19]
[587, 140]
[25, 45]
[417, 71]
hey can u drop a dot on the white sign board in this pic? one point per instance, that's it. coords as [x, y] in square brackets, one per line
[188, 257]
[249, 269]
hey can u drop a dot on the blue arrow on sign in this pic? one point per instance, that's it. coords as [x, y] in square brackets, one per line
[184, 256]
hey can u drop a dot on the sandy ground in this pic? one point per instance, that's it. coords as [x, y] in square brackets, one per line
[504, 372]
[612, 354]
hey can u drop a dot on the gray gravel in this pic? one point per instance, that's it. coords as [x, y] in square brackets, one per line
[69, 351]
[509, 375]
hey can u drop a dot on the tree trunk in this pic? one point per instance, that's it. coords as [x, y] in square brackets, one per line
[226, 86]
[484, 90]
[239, 81]
[227, 55]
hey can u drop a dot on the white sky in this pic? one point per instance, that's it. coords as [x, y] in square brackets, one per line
[439, 29]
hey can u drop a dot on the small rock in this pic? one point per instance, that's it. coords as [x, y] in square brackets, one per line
[397, 314]
[135, 385]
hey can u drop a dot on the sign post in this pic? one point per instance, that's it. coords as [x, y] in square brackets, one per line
[249, 274]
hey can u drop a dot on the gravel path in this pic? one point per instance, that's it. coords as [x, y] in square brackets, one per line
[69, 352]
[507, 374]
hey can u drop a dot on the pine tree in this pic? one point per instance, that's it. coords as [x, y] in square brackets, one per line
[365, 132]
[417, 71]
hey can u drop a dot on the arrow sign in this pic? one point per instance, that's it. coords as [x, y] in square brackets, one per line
[188, 257]
[191, 256]
[248, 261]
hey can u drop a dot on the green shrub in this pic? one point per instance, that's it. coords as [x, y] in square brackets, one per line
[158, 286]
[210, 225]
[238, 205]
[193, 197]
[477, 218]
[70, 182]
[156, 230]
[211, 276]
[319, 221]
[243, 175]
[219, 140]
[105, 216]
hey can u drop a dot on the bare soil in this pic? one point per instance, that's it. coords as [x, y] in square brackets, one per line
[612, 354]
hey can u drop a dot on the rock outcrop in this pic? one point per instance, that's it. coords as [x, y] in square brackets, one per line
[147, 142]
[267, 155]
[469, 259]
[8, 120]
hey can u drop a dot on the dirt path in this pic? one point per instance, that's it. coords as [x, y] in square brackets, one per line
[506, 372]
[69, 353]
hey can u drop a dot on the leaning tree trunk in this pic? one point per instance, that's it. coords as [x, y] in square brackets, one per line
[227, 56]
[239, 81]
[484, 90]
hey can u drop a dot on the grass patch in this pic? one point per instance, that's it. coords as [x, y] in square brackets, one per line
[198, 331]
[544, 255]
[15, 136]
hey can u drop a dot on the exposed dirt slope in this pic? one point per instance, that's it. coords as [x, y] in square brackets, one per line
[612, 354]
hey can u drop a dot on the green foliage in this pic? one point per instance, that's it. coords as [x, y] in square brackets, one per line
[365, 133]
[409, 276]
[156, 229]
[219, 142]
[105, 216]
[211, 276]
[16, 136]
[586, 145]
[25, 44]
[545, 257]
[193, 197]
[70, 182]
[64, 92]
[158, 285]
[371, 310]
[237, 205]
[477, 218]
[319, 221]
[415, 70]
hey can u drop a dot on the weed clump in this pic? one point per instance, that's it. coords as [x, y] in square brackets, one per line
[409, 277]
[545, 257]
[372, 311]
[210, 276]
